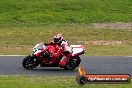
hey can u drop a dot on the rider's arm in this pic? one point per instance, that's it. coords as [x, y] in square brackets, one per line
[50, 43]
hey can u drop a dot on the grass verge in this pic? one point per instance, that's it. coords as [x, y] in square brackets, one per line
[50, 82]
[20, 40]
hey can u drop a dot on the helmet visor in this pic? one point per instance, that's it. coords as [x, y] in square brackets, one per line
[56, 40]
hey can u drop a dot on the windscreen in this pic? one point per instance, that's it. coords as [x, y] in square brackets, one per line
[40, 46]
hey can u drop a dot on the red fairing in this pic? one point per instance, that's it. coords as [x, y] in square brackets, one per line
[38, 54]
[55, 50]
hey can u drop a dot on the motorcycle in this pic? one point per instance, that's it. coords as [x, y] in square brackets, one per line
[40, 56]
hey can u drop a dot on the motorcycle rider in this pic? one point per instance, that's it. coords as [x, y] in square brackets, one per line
[57, 47]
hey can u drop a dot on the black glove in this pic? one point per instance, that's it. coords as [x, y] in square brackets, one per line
[45, 44]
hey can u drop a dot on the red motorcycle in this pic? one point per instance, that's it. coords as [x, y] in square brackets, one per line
[40, 56]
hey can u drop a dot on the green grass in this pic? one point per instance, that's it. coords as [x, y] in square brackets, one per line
[17, 40]
[63, 12]
[23, 23]
[50, 82]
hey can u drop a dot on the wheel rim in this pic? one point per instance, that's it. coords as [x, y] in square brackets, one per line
[29, 63]
[72, 64]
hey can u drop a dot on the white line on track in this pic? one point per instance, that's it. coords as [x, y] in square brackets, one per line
[11, 55]
[129, 56]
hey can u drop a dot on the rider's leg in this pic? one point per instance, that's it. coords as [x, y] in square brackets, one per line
[64, 60]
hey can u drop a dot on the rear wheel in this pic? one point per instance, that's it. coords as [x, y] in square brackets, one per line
[30, 62]
[73, 63]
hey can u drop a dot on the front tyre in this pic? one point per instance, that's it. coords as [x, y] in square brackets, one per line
[29, 62]
[73, 63]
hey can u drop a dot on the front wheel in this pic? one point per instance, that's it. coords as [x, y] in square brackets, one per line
[73, 63]
[30, 62]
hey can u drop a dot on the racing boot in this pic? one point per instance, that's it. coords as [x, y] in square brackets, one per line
[64, 60]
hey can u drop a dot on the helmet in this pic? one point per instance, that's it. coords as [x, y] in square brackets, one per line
[58, 38]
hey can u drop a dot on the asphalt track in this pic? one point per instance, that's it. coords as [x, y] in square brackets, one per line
[11, 65]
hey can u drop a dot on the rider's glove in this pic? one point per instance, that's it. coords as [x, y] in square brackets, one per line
[61, 49]
[45, 44]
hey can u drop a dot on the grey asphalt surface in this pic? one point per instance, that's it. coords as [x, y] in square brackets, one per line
[11, 65]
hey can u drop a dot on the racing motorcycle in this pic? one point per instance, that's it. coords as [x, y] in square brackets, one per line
[40, 56]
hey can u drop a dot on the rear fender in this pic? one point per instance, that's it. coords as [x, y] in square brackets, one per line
[77, 50]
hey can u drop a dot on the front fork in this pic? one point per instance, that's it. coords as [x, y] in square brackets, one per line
[35, 58]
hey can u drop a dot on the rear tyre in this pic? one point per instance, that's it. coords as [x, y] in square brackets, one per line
[73, 63]
[30, 62]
